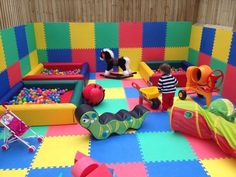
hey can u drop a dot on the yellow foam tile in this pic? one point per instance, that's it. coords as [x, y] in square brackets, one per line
[60, 151]
[135, 56]
[196, 35]
[13, 173]
[82, 35]
[220, 167]
[2, 56]
[221, 45]
[176, 53]
[33, 59]
[114, 93]
[92, 82]
[39, 35]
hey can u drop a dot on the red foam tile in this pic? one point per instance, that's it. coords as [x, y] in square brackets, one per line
[129, 169]
[205, 149]
[128, 83]
[14, 74]
[132, 102]
[85, 55]
[229, 86]
[204, 59]
[153, 54]
[64, 130]
[130, 35]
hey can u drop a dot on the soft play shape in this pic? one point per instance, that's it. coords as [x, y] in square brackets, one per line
[101, 127]
[189, 118]
[86, 167]
[93, 94]
[223, 108]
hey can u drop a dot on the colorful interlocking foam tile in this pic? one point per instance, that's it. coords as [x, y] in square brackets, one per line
[152, 151]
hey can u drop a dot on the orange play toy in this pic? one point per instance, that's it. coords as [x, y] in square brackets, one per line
[202, 80]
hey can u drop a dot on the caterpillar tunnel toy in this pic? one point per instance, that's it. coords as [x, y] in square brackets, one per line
[101, 127]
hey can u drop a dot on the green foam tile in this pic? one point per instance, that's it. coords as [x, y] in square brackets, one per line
[109, 83]
[193, 56]
[9, 46]
[111, 105]
[42, 56]
[29, 28]
[106, 35]
[217, 64]
[25, 65]
[57, 35]
[178, 34]
[164, 146]
[40, 130]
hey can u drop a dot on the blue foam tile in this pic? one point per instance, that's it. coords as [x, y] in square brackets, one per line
[131, 93]
[154, 34]
[4, 83]
[92, 76]
[202, 101]
[232, 54]
[21, 41]
[176, 169]
[18, 156]
[52, 172]
[156, 122]
[116, 149]
[59, 55]
[101, 65]
[207, 41]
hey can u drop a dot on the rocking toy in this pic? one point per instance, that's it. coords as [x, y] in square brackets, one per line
[123, 63]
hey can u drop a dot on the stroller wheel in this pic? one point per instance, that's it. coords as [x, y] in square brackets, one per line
[40, 139]
[5, 147]
[31, 148]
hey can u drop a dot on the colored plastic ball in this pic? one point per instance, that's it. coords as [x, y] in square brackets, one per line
[93, 94]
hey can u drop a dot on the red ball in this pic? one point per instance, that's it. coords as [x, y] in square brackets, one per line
[93, 94]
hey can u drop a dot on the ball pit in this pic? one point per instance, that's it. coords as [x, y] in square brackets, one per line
[38, 96]
[48, 72]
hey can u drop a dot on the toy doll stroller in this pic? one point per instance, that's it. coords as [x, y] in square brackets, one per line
[14, 128]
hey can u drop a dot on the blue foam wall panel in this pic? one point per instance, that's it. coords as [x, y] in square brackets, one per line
[232, 54]
[21, 41]
[208, 35]
[154, 34]
[4, 83]
[59, 55]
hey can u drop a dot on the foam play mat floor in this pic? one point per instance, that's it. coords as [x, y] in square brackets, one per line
[154, 150]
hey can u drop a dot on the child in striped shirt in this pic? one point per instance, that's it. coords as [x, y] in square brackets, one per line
[167, 86]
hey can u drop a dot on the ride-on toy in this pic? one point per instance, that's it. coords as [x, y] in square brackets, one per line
[203, 81]
[149, 94]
